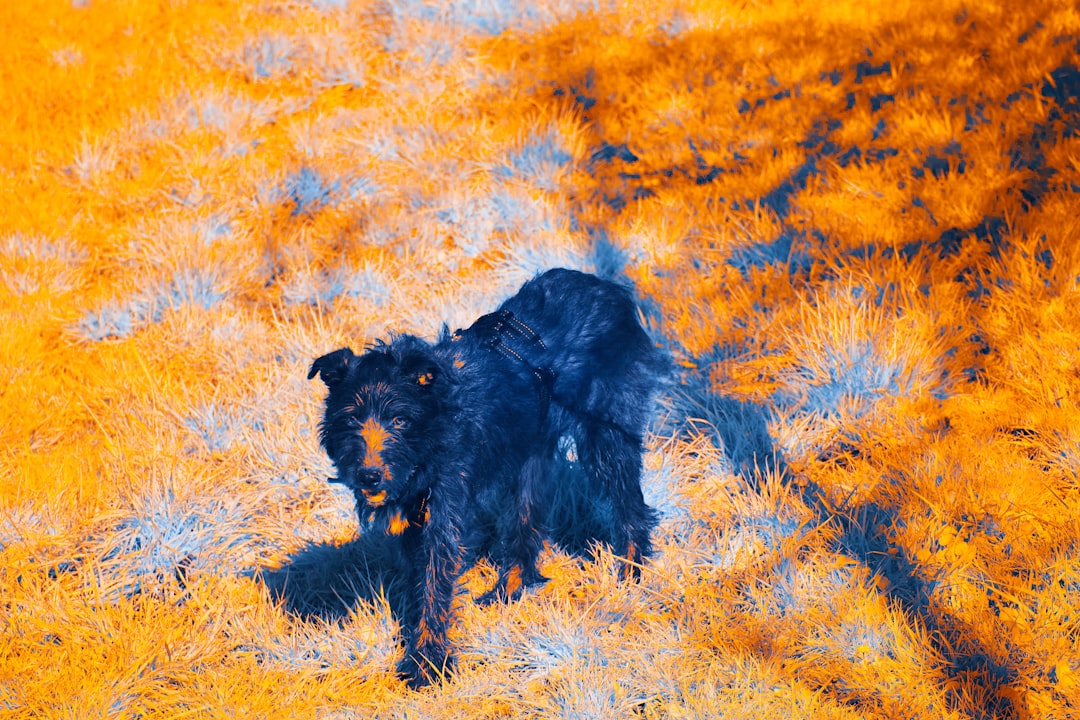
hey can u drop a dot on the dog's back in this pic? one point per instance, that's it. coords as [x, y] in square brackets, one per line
[608, 367]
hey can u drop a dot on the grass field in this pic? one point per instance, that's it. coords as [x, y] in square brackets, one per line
[854, 225]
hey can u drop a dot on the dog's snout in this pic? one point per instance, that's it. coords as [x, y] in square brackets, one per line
[370, 483]
[369, 478]
[375, 438]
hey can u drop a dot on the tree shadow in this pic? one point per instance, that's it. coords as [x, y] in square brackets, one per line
[740, 430]
[969, 663]
[624, 171]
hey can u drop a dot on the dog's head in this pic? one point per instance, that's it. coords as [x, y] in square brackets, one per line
[384, 412]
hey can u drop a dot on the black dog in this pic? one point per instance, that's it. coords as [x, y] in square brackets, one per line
[449, 446]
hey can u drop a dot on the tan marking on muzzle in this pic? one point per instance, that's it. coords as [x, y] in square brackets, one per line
[375, 499]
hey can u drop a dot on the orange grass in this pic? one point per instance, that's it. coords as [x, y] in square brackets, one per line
[854, 225]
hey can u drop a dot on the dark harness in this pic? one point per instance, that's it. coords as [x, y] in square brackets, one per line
[505, 333]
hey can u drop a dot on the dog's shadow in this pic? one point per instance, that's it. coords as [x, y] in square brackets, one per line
[327, 581]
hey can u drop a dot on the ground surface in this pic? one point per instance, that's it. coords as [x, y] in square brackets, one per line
[854, 227]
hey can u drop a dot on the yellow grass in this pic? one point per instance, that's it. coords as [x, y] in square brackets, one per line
[853, 224]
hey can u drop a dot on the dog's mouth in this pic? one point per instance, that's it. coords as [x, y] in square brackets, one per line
[373, 496]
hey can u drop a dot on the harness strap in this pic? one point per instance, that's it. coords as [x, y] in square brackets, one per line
[504, 324]
[502, 331]
[419, 515]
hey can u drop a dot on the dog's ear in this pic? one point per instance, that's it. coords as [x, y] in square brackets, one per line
[427, 377]
[421, 368]
[422, 371]
[333, 367]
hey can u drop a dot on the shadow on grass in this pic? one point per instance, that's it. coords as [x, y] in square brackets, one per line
[327, 581]
[739, 429]
[970, 665]
[625, 170]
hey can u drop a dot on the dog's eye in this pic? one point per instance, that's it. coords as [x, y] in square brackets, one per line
[399, 423]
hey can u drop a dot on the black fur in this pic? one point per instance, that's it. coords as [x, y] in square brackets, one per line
[451, 446]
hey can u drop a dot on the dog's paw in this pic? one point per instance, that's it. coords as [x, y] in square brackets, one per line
[510, 585]
[413, 672]
[418, 671]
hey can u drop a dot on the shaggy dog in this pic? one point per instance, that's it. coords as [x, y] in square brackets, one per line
[450, 446]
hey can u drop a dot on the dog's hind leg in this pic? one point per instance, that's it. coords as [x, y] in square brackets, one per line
[520, 535]
[612, 458]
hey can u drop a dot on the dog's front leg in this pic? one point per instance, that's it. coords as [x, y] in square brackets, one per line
[438, 560]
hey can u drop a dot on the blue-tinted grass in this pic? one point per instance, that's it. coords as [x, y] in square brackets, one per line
[751, 538]
[530, 257]
[28, 523]
[307, 190]
[539, 160]
[324, 286]
[20, 246]
[269, 57]
[852, 354]
[196, 287]
[93, 159]
[328, 5]
[115, 319]
[797, 587]
[165, 537]
[488, 17]
[854, 377]
[856, 640]
[218, 428]
[778, 252]
[739, 428]
[122, 317]
[473, 223]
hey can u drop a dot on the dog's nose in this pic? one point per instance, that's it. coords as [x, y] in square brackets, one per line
[369, 478]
